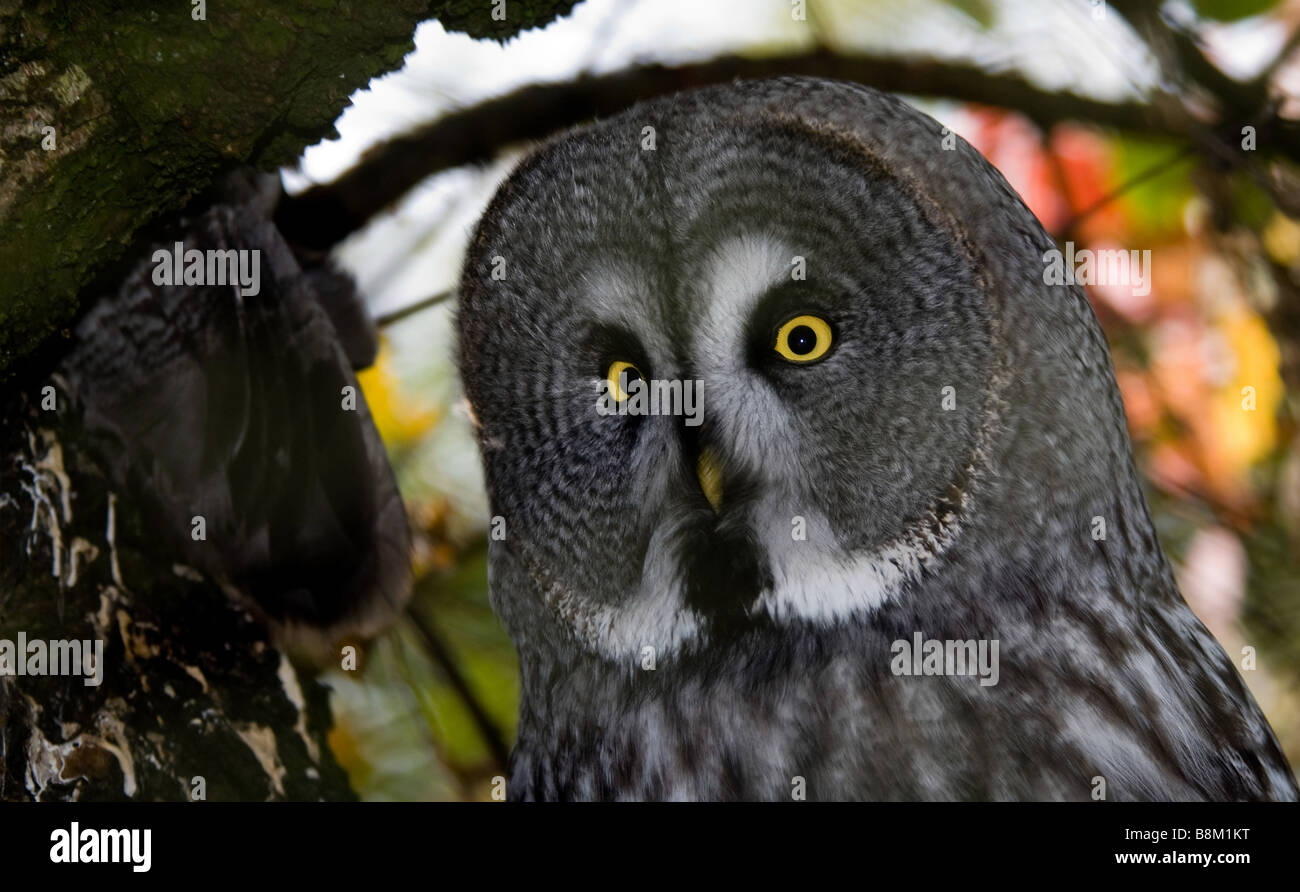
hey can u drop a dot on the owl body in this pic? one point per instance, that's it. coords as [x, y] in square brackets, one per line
[906, 435]
[1152, 707]
[300, 513]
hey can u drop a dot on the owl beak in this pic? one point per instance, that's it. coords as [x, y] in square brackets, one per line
[709, 470]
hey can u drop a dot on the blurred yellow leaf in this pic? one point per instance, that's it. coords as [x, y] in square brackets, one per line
[399, 420]
[1282, 239]
[1243, 434]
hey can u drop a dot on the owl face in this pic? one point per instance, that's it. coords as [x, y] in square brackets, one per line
[833, 322]
[903, 429]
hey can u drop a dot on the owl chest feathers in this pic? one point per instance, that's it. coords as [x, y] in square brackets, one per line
[833, 728]
[1078, 703]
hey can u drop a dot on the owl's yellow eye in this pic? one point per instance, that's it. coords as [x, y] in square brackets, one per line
[619, 377]
[803, 339]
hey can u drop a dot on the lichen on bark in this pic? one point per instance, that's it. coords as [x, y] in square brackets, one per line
[192, 685]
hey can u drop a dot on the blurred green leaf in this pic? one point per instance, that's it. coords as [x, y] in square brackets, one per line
[1155, 206]
[404, 731]
[1251, 204]
[1232, 10]
[980, 11]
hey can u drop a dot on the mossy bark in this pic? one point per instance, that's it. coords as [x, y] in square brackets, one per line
[114, 113]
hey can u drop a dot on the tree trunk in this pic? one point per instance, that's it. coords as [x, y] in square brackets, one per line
[113, 117]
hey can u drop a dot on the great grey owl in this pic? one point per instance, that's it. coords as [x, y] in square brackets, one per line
[302, 519]
[903, 437]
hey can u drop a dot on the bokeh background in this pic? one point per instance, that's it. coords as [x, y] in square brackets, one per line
[431, 711]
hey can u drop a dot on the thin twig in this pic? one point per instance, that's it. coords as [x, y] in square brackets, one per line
[411, 309]
[1154, 170]
[325, 214]
[442, 656]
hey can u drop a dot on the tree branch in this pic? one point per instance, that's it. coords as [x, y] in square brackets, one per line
[324, 215]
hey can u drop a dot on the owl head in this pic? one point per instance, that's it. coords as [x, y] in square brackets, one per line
[885, 386]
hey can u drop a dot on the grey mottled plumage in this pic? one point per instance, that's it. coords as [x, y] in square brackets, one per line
[772, 655]
[197, 400]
